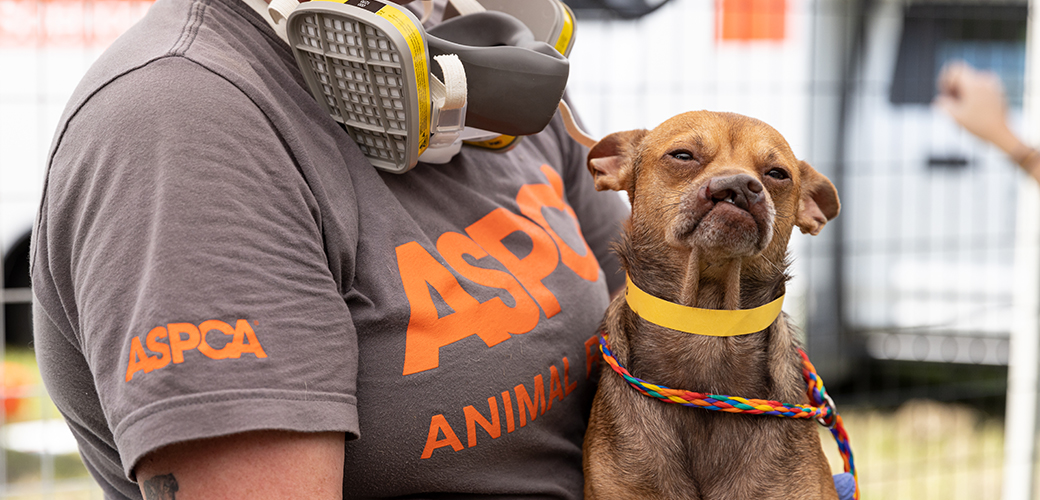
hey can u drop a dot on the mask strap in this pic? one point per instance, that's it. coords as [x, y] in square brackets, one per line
[280, 9]
[467, 6]
[427, 11]
[453, 90]
[573, 129]
[449, 110]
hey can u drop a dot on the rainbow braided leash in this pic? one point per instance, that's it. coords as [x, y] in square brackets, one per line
[824, 412]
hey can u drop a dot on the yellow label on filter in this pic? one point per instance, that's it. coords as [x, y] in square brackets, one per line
[565, 33]
[502, 142]
[417, 46]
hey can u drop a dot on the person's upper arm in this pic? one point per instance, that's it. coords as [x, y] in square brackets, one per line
[258, 465]
[188, 251]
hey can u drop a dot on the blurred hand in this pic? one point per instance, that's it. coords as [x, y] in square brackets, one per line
[975, 99]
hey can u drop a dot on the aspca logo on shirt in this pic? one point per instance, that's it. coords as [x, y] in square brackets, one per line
[493, 321]
[171, 341]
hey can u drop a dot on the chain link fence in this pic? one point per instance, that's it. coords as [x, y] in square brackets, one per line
[905, 302]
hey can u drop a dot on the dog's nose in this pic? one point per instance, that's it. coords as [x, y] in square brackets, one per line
[741, 190]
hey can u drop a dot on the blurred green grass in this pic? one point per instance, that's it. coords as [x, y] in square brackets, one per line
[923, 450]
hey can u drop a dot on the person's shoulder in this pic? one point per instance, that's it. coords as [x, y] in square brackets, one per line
[166, 56]
[153, 122]
[168, 96]
[155, 36]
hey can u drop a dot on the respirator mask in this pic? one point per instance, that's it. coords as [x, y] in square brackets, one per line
[485, 77]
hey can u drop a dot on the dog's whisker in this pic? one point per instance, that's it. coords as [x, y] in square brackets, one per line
[778, 268]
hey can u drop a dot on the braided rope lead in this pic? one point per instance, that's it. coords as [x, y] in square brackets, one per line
[824, 410]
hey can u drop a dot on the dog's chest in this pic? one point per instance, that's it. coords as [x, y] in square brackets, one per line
[692, 452]
[699, 455]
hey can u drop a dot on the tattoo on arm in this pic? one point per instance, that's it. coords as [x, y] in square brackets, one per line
[162, 487]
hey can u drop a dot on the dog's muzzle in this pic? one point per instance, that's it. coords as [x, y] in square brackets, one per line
[732, 213]
[741, 190]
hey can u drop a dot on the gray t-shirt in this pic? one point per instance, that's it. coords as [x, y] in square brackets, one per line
[214, 255]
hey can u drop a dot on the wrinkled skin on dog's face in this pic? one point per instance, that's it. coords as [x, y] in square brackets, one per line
[725, 185]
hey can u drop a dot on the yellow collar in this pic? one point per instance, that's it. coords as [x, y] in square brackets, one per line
[713, 322]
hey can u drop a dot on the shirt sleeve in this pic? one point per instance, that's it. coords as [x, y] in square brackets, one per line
[187, 253]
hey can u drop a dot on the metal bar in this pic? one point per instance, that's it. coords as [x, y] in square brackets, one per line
[1023, 370]
[16, 296]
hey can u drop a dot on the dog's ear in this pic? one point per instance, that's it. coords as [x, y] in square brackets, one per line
[819, 202]
[610, 160]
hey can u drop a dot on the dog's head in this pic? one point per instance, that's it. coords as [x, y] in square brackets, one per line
[723, 184]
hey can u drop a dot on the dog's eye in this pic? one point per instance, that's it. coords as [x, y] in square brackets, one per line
[681, 155]
[778, 173]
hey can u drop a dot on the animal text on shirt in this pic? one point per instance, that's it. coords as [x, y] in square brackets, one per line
[517, 407]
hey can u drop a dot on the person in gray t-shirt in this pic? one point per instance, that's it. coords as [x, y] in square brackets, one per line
[232, 302]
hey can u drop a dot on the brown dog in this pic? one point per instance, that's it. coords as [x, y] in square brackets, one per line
[714, 199]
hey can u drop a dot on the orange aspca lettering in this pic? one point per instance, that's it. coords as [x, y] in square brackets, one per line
[152, 341]
[139, 359]
[522, 317]
[180, 344]
[532, 198]
[185, 337]
[492, 422]
[425, 277]
[427, 331]
[243, 340]
[493, 228]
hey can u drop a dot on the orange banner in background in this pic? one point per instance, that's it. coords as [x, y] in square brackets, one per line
[747, 20]
[65, 23]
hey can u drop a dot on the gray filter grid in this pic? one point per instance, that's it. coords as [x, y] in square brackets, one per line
[361, 80]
